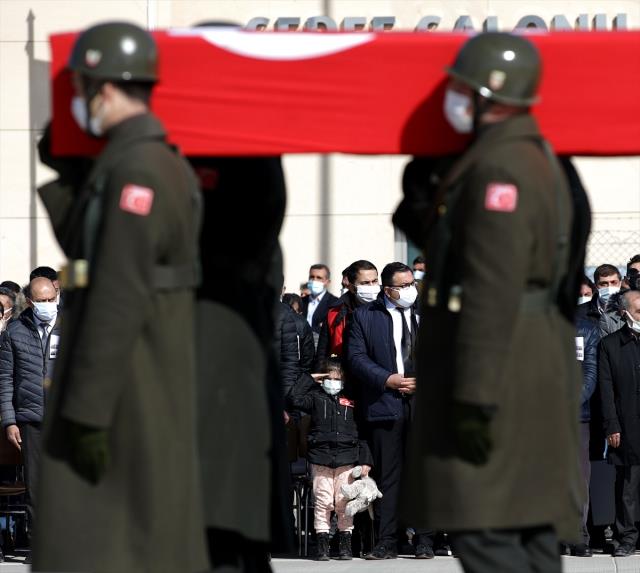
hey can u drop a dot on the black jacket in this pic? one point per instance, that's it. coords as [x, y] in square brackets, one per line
[306, 348]
[286, 346]
[590, 335]
[619, 380]
[609, 320]
[320, 314]
[333, 439]
[24, 365]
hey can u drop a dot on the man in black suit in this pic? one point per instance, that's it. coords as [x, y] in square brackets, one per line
[316, 305]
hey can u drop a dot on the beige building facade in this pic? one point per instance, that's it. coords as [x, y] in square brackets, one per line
[339, 206]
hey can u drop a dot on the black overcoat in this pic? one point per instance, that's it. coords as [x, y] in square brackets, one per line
[619, 381]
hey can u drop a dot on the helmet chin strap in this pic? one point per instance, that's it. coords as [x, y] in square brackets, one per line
[480, 106]
[91, 90]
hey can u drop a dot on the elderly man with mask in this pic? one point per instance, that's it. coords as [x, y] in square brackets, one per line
[618, 380]
[27, 356]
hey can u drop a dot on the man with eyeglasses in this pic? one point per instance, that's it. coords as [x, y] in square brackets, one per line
[379, 356]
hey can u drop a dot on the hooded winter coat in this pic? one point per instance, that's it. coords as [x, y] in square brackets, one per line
[333, 439]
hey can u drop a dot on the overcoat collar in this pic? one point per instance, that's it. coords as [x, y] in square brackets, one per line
[626, 335]
[517, 127]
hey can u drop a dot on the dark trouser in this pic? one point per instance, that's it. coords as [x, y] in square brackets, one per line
[530, 550]
[627, 504]
[387, 442]
[31, 442]
[585, 466]
[231, 552]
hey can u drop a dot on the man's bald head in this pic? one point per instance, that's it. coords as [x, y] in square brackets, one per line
[41, 289]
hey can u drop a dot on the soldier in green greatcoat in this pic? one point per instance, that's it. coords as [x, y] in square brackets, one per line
[494, 451]
[119, 488]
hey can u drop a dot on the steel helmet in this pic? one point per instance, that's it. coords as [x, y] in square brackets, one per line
[499, 66]
[115, 51]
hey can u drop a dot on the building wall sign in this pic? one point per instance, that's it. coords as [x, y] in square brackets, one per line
[584, 22]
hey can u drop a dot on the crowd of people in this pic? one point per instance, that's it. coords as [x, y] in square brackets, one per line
[30, 338]
[409, 404]
[348, 378]
[349, 363]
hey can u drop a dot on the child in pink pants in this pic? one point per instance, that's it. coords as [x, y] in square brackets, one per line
[334, 449]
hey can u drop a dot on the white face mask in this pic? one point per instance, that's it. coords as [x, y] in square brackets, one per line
[367, 293]
[407, 297]
[418, 275]
[457, 110]
[632, 322]
[332, 387]
[606, 292]
[316, 287]
[45, 311]
[343, 291]
[79, 112]
[583, 299]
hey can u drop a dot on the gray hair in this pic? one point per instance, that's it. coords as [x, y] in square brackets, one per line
[626, 298]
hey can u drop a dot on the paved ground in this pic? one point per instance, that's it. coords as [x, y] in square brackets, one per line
[14, 566]
[596, 564]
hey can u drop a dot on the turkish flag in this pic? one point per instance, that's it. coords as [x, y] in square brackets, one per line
[231, 92]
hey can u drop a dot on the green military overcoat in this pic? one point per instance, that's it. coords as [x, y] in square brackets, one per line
[126, 364]
[492, 334]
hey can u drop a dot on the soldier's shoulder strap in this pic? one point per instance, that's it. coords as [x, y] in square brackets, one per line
[561, 255]
[187, 275]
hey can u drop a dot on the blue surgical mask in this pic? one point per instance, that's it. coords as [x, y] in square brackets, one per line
[45, 311]
[332, 387]
[605, 292]
[316, 287]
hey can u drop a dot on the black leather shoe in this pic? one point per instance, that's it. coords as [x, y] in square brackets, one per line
[623, 551]
[582, 550]
[424, 551]
[1, 556]
[28, 560]
[381, 551]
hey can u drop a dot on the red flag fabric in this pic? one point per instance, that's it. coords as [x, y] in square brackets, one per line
[231, 92]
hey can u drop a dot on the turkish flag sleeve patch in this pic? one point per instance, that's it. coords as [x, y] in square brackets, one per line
[501, 197]
[136, 199]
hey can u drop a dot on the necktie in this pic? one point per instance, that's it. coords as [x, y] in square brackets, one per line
[406, 344]
[45, 334]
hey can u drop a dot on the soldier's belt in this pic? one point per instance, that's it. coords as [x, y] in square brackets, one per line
[536, 301]
[175, 277]
[75, 275]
